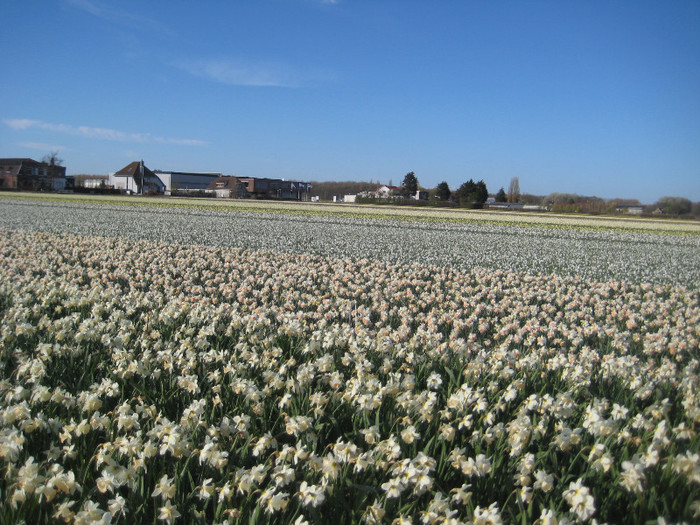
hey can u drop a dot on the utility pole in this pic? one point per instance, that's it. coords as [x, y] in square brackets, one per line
[141, 168]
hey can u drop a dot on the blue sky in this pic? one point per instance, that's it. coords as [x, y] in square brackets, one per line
[595, 98]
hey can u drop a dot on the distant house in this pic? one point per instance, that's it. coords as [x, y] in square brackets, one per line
[420, 195]
[506, 206]
[136, 178]
[515, 206]
[276, 188]
[384, 192]
[91, 182]
[29, 174]
[350, 198]
[228, 187]
[631, 210]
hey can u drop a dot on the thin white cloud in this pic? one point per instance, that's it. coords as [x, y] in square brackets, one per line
[108, 11]
[241, 73]
[99, 133]
[24, 123]
[90, 7]
[180, 142]
[323, 2]
[41, 146]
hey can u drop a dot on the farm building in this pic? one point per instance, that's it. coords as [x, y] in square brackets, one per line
[185, 180]
[631, 210]
[247, 187]
[131, 178]
[276, 188]
[420, 195]
[384, 192]
[91, 182]
[136, 178]
[228, 187]
[29, 174]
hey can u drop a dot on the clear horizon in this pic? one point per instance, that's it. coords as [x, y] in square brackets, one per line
[597, 98]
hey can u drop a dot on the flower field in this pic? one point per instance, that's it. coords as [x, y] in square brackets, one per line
[583, 249]
[210, 366]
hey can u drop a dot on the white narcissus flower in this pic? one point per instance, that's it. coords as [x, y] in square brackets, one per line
[168, 513]
[274, 501]
[165, 488]
[487, 516]
[632, 476]
[311, 495]
[393, 488]
[206, 489]
[409, 434]
[543, 481]
[579, 497]
[117, 506]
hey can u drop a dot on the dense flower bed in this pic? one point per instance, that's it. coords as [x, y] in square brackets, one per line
[147, 380]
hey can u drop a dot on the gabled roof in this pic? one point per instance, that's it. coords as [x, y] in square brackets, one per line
[15, 165]
[132, 170]
[10, 166]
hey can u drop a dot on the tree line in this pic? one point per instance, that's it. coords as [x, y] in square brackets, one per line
[470, 194]
[473, 194]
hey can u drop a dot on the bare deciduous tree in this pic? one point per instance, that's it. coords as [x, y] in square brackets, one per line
[52, 160]
[514, 190]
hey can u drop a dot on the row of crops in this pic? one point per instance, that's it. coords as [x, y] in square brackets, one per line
[201, 366]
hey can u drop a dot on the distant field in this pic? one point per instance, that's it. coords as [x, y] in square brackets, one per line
[582, 247]
[396, 212]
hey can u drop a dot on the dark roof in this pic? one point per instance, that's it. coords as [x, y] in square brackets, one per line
[15, 165]
[229, 183]
[132, 170]
[11, 162]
